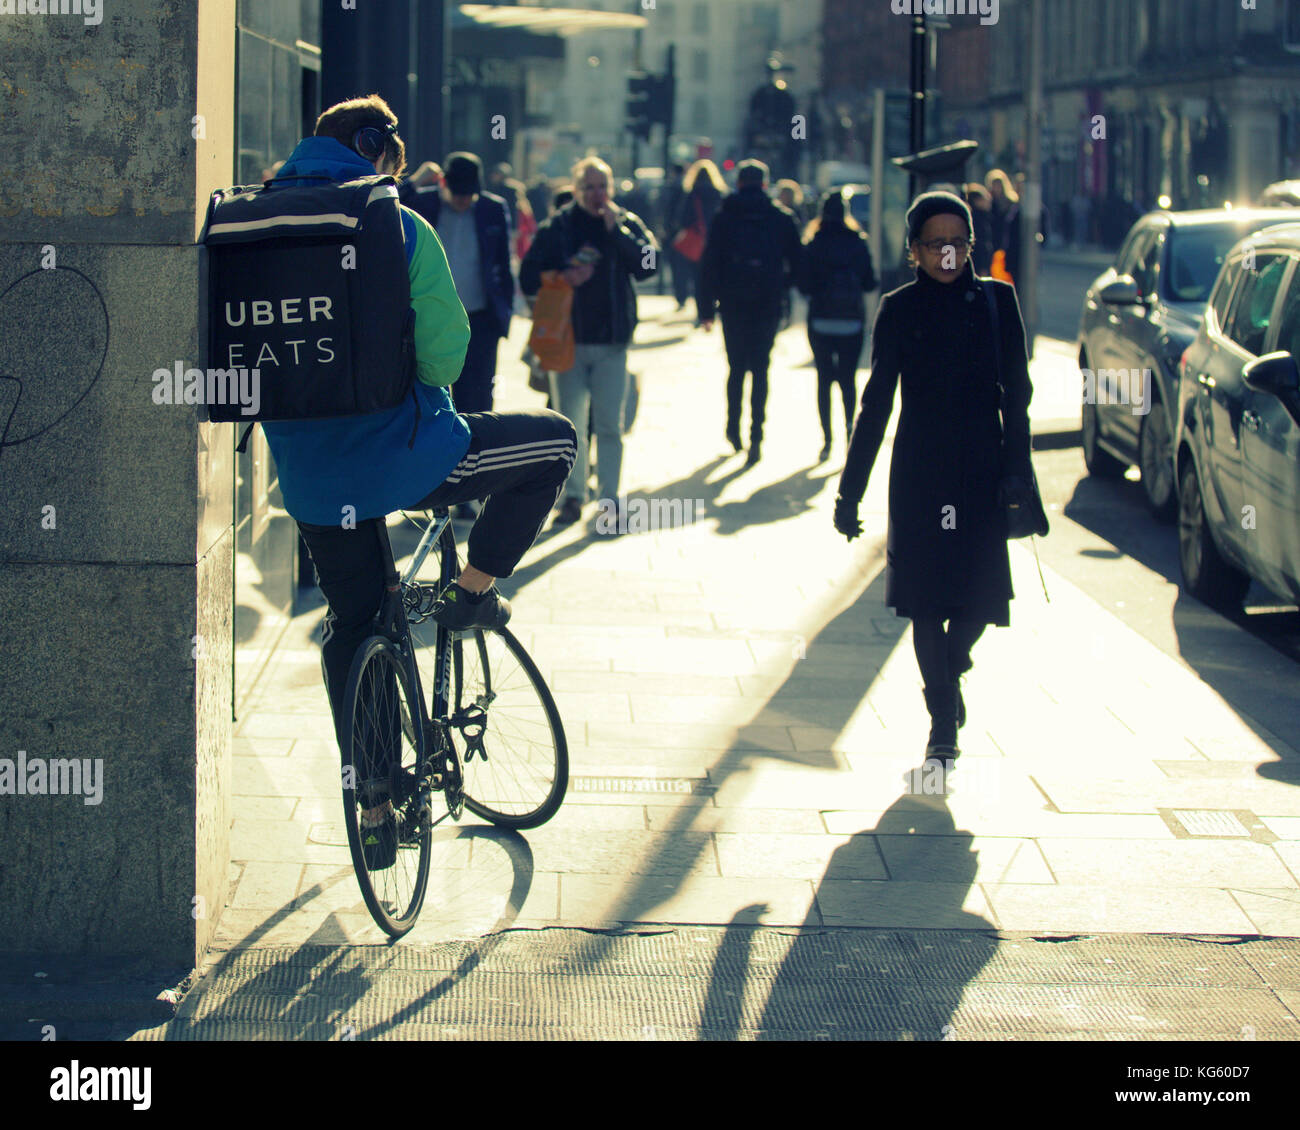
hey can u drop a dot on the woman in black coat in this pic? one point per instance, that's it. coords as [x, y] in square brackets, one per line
[947, 553]
[702, 192]
[835, 273]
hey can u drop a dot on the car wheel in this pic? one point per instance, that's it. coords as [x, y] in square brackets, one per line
[1206, 575]
[1156, 462]
[1099, 463]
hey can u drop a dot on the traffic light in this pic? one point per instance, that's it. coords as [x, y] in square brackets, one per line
[641, 91]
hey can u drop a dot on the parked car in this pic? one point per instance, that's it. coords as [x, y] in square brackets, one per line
[1238, 436]
[1282, 193]
[1137, 320]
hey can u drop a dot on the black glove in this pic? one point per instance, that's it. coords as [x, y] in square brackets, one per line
[846, 517]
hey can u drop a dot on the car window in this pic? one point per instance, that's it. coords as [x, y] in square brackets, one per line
[1133, 247]
[1288, 329]
[1195, 256]
[1144, 269]
[1223, 294]
[1253, 306]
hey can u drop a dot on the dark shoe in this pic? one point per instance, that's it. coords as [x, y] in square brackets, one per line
[825, 452]
[569, 513]
[379, 842]
[733, 437]
[942, 704]
[755, 453]
[456, 612]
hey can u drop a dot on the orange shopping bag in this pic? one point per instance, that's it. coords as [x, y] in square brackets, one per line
[999, 267]
[552, 335]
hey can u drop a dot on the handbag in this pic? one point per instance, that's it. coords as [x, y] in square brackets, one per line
[551, 338]
[689, 242]
[998, 268]
[1021, 502]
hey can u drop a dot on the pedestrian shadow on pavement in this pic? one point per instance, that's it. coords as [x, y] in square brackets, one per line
[335, 971]
[815, 699]
[773, 502]
[903, 977]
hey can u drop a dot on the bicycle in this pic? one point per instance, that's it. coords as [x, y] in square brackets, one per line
[493, 741]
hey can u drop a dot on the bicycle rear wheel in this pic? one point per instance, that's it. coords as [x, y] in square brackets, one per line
[391, 848]
[515, 758]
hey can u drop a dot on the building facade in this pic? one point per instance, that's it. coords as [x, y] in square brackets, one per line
[1193, 102]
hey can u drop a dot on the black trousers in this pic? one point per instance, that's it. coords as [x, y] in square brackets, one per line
[836, 357]
[472, 391]
[748, 334]
[943, 655]
[518, 461]
[683, 271]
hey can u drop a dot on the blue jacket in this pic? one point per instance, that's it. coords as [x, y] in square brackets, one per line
[492, 222]
[363, 462]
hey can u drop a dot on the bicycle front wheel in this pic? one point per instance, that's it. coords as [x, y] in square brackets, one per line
[515, 758]
[385, 812]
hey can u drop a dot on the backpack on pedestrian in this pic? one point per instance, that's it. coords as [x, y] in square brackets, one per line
[308, 288]
[751, 258]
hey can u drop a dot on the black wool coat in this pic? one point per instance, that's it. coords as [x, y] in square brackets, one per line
[947, 550]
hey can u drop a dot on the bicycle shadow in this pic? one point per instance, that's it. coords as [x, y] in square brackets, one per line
[325, 987]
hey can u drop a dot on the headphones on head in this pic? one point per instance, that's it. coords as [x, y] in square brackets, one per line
[371, 141]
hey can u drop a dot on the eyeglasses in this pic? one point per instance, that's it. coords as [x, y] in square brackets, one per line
[961, 246]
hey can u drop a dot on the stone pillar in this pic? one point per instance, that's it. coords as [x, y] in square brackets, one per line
[115, 512]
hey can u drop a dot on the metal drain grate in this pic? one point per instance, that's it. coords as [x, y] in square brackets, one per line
[1209, 822]
[690, 786]
[1216, 824]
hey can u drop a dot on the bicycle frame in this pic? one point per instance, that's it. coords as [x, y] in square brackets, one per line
[392, 623]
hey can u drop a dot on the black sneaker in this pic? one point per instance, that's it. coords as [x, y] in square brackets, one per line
[733, 437]
[379, 842]
[453, 609]
[569, 513]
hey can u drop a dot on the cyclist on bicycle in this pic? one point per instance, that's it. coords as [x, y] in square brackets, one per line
[341, 476]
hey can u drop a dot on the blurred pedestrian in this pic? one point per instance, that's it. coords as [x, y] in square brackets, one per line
[497, 179]
[539, 198]
[947, 565]
[1006, 225]
[703, 189]
[670, 209]
[750, 261]
[600, 249]
[472, 227]
[981, 210]
[790, 195]
[525, 221]
[836, 273]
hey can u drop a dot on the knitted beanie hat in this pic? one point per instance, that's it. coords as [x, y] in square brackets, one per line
[930, 204]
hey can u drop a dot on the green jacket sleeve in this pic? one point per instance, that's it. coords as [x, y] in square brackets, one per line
[441, 326]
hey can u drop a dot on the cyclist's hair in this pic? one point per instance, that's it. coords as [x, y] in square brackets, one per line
[342, 121]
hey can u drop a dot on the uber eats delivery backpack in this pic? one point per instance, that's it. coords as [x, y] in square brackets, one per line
[309, 286]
